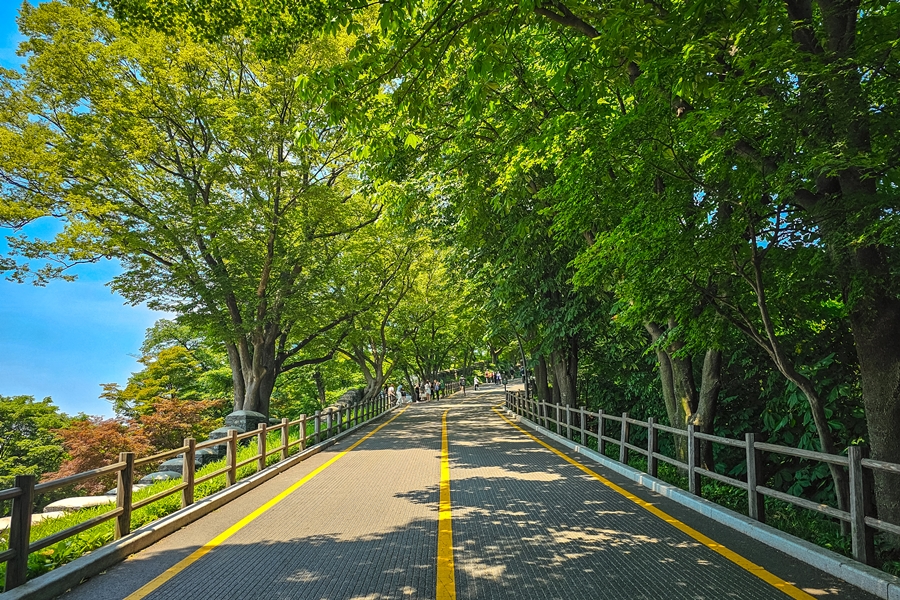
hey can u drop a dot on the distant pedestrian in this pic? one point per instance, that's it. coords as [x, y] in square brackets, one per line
[475, 382]
[427, 391]
[399, 393]
[435, 390]
[416, 394]
[392, 395]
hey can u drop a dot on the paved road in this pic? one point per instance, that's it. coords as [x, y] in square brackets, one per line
[525, 524]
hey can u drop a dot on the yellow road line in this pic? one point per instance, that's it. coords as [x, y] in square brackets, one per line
[171, 572]
[446, 578]
[734, 557]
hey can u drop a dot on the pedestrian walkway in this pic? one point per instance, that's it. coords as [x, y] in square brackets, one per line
[365, 520]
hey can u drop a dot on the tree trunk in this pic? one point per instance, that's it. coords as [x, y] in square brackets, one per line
[674, 408]
[540, 378]
[565, 372]
[320, 386]
[876, 330]
[704, 416]
[253, 371]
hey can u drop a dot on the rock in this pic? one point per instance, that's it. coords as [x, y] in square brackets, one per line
[352, 396]
[134, 488]
[222, 432]
[159, 476]
[247, 419]
[73, 504]
[35, 518]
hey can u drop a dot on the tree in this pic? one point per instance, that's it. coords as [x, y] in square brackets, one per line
[28, 442]
[226, 195]
[93, 442]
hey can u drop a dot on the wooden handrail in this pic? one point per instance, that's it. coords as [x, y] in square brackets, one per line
[54, 484]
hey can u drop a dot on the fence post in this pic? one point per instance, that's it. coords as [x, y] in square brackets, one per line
[756, 502]
[20, 531]
[862, 537]
[124, 481]
[188, 470]
[557, 421]
[285, 439]
[581, 426]
[693, 458]
[623, 450]
[302, 433]
[329, 423]
[652, 447]
[261, 437]
[231, 458]
[568, 423]
[601, 443]
[317, 426]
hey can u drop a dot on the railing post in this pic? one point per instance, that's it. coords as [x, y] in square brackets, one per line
[124, 481]
[652, 447]
[756, 502]
[188, 470]
[231, 458]
[623, 439]
[601, 431]
[302, 433]
[329, 423]
[285, 439]
[20, 532]
[862, 537]
[693, 458]
[557, 420]
[261, 437]
[581, 426]
[568, 422]
[317, 426]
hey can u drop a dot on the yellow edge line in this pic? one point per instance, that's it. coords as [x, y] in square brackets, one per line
[216, 541]
[446, 579]
[734, 557]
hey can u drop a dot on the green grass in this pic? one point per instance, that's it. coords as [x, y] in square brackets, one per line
[71, 548]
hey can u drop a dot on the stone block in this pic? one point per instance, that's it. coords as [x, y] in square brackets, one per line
[246, 419]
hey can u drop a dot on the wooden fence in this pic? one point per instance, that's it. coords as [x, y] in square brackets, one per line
[569, 421]
[325, 424]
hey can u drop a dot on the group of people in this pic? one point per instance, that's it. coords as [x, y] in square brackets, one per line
[422, 392]
[493, 377]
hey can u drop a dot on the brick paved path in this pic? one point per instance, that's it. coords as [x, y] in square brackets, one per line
[526, 524]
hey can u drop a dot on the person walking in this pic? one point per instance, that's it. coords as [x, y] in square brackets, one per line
[399, 393]
[427, 391]
[392, 395]
[475, 382]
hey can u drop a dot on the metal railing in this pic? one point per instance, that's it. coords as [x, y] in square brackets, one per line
[325, 424]
[568, 421]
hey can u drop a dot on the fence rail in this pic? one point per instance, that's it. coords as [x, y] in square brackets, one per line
[597, 425]
[25, 489]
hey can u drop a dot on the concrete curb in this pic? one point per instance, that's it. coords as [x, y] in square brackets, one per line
[58, 581]
[855, 573]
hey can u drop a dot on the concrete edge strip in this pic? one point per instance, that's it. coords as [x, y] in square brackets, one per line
[867, 578]
[60, 580]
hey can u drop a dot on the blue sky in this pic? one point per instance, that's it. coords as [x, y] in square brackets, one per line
[65, 339]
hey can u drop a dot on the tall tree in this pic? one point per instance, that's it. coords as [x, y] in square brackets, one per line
[228, 197]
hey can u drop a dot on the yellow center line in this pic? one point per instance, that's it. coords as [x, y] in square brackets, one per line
[446, 579]
[773, 580]
[171, 572]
